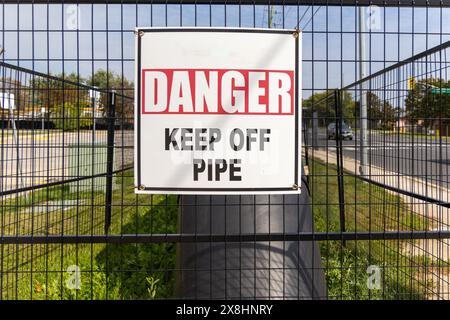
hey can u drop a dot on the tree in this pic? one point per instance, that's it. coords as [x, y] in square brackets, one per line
[380, 112]
[52, 92]
[22, 94]
[422, 103]
[324, 104]
[111, 81]
[69, 116]
[64, 100]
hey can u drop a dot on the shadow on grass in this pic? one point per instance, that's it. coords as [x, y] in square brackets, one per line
[128, 266]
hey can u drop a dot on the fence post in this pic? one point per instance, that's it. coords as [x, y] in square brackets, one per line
[315, 130]
[305, 128]
[111, 117]
[339, 158]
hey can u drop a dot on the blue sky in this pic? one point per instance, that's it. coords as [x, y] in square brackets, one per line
[330, 35]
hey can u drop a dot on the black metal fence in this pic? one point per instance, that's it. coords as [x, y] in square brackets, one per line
[371, 223]
[63, 156]
[390, 166]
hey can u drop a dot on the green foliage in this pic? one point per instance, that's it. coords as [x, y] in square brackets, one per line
[52, 92]
[346, 274]
[422, 104]
[69, 117]
[380, 113]
[147, 271]
[111, 81]
[346, 266]
[152, 286]
[94, 285]
[130, 264]
[324, 104]
[108, 271]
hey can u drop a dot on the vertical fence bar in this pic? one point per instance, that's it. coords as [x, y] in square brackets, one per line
[42, 195]
[339, 158]
[305, 129]
[111, 117]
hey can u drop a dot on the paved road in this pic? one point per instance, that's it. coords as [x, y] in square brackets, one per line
[53, 156]
[422, 157]
[37, 158]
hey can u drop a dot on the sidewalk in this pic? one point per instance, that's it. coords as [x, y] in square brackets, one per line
[439, 214]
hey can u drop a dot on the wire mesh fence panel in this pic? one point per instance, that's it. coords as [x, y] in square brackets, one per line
[371, 221]
[54, 160]
[401, 156]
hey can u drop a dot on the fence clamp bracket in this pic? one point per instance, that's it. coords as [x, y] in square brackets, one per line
[139, 33]
[295, 186]
[141, 187]
[296, 33]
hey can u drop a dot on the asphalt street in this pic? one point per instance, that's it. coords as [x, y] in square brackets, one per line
[427, 158]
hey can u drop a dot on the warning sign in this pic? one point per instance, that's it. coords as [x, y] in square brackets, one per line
[217, 111]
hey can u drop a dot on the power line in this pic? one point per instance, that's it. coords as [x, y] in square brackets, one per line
[303, 15]
[312, 16]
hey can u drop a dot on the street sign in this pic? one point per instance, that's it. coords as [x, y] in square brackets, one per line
[440, 90]
[217, 111]
[7, 101]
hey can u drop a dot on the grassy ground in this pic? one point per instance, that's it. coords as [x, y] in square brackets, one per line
[143, 271]
[411, 134]
[368, 208]
[108, 271]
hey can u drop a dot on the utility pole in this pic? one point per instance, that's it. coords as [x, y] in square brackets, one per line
[363, 94]
[271, 14]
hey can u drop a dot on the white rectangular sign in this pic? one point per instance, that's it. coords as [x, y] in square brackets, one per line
[217, 111]
[7, 101]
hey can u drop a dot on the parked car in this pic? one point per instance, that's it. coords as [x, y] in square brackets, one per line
[346, 131]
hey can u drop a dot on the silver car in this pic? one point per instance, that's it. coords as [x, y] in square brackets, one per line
[346, 133]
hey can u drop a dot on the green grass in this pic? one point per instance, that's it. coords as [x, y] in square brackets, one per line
[147, 271]
[108, 271]
[411, 134]
[367, 208]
